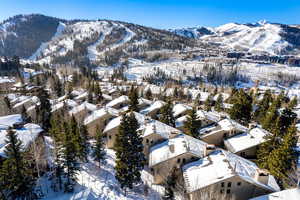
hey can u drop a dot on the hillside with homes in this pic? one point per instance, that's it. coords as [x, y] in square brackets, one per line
[77, 133]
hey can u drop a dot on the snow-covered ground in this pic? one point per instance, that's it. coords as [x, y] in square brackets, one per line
[100, 183]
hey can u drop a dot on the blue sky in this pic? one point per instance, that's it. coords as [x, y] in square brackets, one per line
[161, 13]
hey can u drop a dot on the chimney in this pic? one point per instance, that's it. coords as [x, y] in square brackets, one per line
[172, 135]
[262, 176]
[252, 125]
[172, 148]
[209, 148]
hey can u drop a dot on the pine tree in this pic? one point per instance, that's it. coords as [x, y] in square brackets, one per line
[166, 114]
[69, 155]
[24, 115]
[208, 103]
[263, 106]
[16, 174]
[148, 94]
[270, 117]
[192, 124]
[99, 152]
[129, 151]
[170, 186]
[242, 107]
[84, 145]
[44, 109]
[98, 93]
[219, 103]
[133, 99]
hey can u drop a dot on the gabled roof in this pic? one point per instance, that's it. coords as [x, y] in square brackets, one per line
[182, 144]
[100, 113]
[290, 194]
[246, 140]
[33, 99]
[229, 124]
[157, 127]
[116, 101]
[117, 121]
[9, 120]
[83, 106]
[68, 102]
[180, 108]
[221, 165]
[27, 134]
[154, 106]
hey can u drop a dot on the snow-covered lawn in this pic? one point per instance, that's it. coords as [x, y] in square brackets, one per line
[99, 183]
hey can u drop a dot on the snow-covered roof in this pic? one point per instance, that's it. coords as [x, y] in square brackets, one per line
[116, 101]
[157, 127]
[143, 101]
[68, 102]
[107, 97]
[290, 194]
[181, 144]
[99, 113]
[27, 134]
[179, 122]
[83, 106]
[212, 116]
[246, 140]
[180, 108]
[9, 120]
[229, 124]
[221, 165]
[117, 121]
[5, 79]
[82, 96]
[33, 100]
[154, 106]
[15, 99]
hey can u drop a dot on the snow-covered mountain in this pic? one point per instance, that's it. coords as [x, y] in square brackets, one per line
[260, 37]
[46, 39]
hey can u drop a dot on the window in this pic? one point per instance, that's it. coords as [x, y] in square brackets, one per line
[178, 160]
[222, 184]
[183, 160]
[239, 183]
[243, 154]
[147, 141]
[222, 191]
[228, 191]
[109, 137]
[229, 184]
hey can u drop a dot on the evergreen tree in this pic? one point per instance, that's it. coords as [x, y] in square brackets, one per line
[263, 106]
[83, 145]
[99, 152]
[90, 97]
[24, 114]
[170, 186]
[16, 175]
[69, 155]
[129, 151]
[98, 93]
[208, 103]
[7, 102]
[192, 124]
[148, 94]
[270, 117]
[166, 114]
[219, 103]
[44, 109]
[242, 107]
[133, 99]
